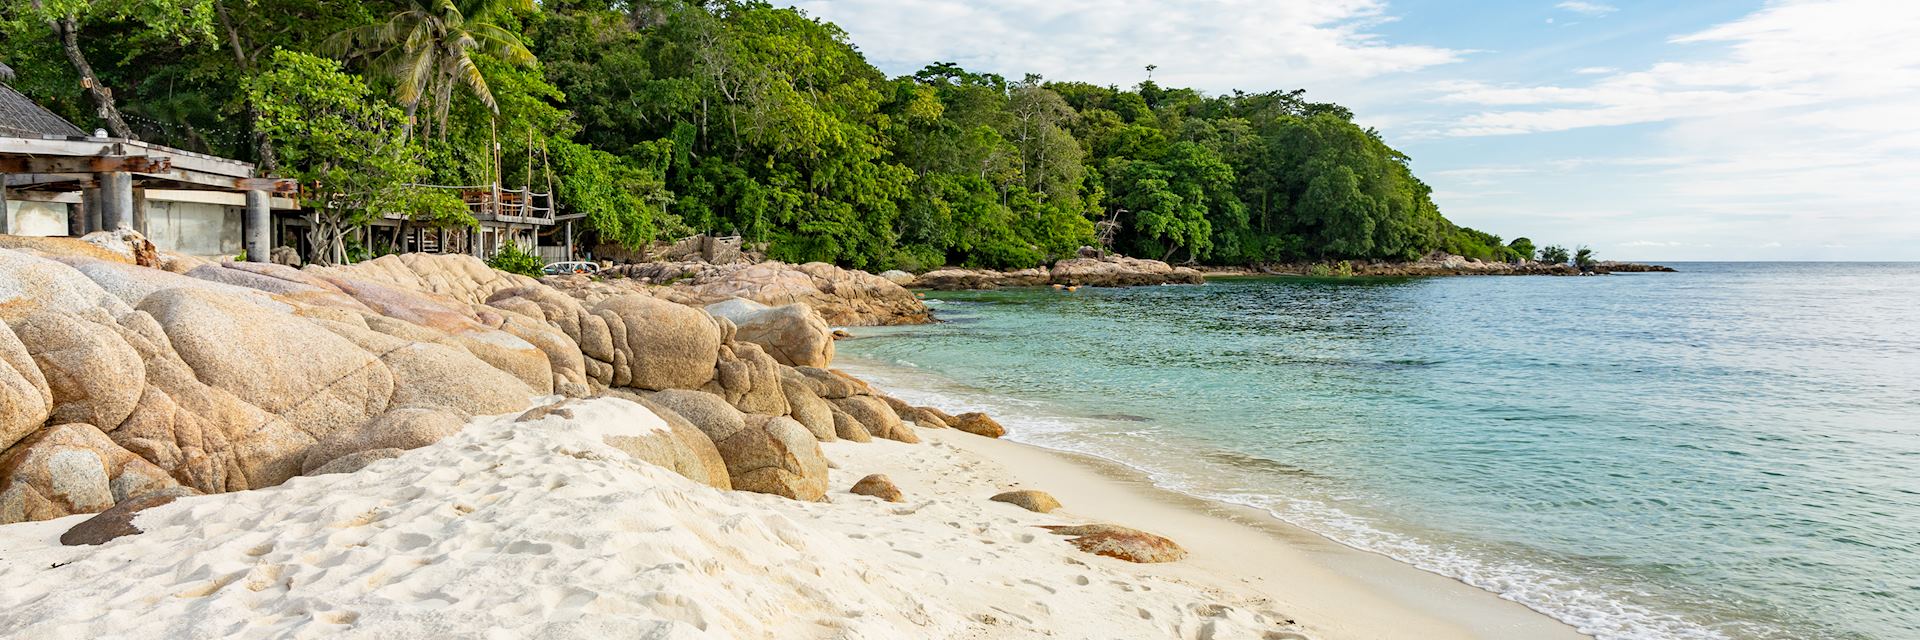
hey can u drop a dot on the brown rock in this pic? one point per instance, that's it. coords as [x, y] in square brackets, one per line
[808, 409]
[978, 424]
[749, 379]
[1114, 541]
[794, 334]
[776, 455]
[355, 461]
[659, 345]
[233, 345]
[1029, 499]
[878, 486]
[877, 417]
[95, 376]
[846, 427]
[69, 469]
[30, 283]
[403, 428]
[117, 522]
[25, 399]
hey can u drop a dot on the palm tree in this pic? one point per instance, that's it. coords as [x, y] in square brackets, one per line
[427, 50]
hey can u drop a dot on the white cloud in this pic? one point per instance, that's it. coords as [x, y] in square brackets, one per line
[1228, 44]
[1595, 71]
[1791, 55]
[1587, 8]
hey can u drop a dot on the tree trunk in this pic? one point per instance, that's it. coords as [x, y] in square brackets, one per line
[266, 161]
[68, 29]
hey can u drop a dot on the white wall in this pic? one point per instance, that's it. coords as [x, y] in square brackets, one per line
[194, 228]
[36, 218]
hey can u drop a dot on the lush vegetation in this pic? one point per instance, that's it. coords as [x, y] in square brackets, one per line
[662, 117]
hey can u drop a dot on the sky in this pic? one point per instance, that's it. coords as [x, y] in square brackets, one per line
[1647, 130]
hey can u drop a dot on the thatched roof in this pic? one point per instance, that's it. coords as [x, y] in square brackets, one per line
[20, 117]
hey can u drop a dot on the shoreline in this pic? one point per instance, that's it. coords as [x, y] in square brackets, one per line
[1336, 590]
[1330, 589]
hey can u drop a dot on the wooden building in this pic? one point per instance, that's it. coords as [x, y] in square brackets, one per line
[57, 180]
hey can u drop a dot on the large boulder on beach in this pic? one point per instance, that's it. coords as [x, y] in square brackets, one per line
[749, 379]
[659, 345]
[877, 418]
[69, 469]
[461, 277]
[117, 522]
[793, 334]
[830, 383]
[764, 454]
[1114, 541]
[427, 372]
[30, 283]
[878, 486]
[776, 455]
[1029, 499]
[847, 427]
[978, 424]
[25, 399]
[239, 347]
[808, 409]
[647, 431]
[898, 277]
[95, 376]
[204, 436]
[403, 428]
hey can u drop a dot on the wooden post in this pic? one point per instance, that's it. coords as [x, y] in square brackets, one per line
[6, 215]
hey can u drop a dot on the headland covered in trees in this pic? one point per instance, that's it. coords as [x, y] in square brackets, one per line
[659, 118]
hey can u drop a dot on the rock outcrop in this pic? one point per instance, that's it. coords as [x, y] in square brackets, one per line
[1114, 541]
[1029, 499]
[119, 381]
[978, 424]
[842, 297]
[69, 469]
[1088, 271]
[765, 454]
[117, 522]
[794, 334]
[879, 486]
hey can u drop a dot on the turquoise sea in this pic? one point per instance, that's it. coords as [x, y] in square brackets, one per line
[1732, 451]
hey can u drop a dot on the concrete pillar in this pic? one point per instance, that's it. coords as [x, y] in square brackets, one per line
[6, 215]
[569, 233]
[90, 218]
[116, 200]
[256, 226]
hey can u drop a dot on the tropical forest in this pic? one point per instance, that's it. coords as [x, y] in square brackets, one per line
[657, 119]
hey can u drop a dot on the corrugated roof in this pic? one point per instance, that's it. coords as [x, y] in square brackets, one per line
[22, 118]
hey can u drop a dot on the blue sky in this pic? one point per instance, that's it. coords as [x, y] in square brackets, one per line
[1659, 130]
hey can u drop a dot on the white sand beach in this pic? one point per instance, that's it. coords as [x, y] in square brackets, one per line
[541, 529]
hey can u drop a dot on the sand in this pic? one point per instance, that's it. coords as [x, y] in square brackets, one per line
[542, 530]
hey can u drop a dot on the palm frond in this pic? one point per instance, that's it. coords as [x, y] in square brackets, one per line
[469, 74]
[502, 44]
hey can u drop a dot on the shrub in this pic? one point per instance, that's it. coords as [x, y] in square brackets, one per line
[513, 259]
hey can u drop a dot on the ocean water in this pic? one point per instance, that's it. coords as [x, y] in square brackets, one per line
[1732, 451]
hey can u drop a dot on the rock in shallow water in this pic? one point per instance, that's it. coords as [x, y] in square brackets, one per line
[977, 424]
[1115, 541]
